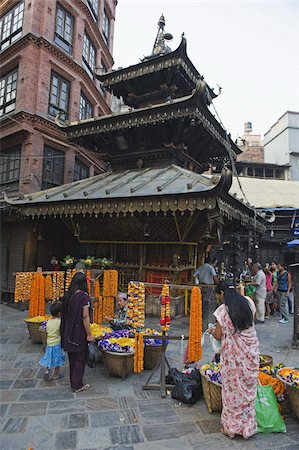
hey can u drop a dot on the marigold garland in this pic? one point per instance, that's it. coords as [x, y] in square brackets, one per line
[88, 279]
[37, 296]
[110, 283]
[23, 286]
[108, 306]
[138, 352]
[136, 304]
[98, 303]
[48, 287]
[165, 308]
[195, 326]
[58, 285]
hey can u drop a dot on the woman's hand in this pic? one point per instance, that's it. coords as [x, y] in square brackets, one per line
[211, 330]
[109, 319]
[90, 338]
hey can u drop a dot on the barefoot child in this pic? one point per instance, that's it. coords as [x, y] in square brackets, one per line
[54, 355]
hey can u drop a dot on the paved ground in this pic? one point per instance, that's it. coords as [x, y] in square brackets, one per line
[114, 414]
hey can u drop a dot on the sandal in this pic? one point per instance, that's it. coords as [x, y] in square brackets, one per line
[56, 377]
[85, 387]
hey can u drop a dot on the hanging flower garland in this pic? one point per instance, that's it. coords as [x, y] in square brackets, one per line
[68, 278]
[23, 286]
[138, 352]
[58, 285]
[136, 305]
[98, 304]
[110, 283]
[48, 287]
[108, 306]
[165, 308]
[195, 326]
[37, 296]
[88, 279]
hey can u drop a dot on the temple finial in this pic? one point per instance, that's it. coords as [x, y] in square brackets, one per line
[160, 47]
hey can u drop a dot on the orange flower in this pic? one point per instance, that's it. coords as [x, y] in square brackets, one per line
[195, 326]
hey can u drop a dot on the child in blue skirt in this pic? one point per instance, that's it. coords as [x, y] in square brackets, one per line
[54, 355]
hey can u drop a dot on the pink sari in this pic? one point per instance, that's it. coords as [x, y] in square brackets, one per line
[239, 372]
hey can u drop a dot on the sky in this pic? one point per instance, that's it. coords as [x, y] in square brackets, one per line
[249, 48]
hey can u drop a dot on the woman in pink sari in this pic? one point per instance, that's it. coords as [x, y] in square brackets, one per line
[239, 360]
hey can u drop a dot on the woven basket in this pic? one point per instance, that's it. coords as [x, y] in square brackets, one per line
[293, 393]
[268, 362]
[34, 332]
[152, 356]
[43, 334]
[118, 364]
[212, 394]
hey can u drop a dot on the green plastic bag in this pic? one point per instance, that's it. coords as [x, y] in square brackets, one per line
[250, 290]
[268, 416]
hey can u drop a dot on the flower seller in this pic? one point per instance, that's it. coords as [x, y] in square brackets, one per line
[120, 322]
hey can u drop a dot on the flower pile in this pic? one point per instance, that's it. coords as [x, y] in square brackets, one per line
[37, 319]
[98, 331]
[23, 286]
[289, 376]
[212, 371]
[136, 304]
[148, 342]
[277, 385]
[68, 261]
[118, 341]
[195, 326]
[165, 308]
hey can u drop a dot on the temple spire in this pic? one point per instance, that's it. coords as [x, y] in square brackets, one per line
[160, 47]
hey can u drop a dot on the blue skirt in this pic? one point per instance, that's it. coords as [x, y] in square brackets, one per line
[53, 357]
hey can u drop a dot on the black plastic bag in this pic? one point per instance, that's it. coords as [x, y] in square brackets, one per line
[175, 376]
[93, 355]
[187, 392]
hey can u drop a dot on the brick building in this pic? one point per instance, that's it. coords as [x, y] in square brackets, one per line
[49, 50]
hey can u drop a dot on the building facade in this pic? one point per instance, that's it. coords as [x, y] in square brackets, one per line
[49, 51]
[281, 143]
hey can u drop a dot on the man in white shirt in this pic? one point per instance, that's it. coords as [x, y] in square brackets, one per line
[206, 274]
[259, 280]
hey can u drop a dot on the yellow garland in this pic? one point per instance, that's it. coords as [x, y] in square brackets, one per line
[110, 283]
[48, 287]
[195, 326]
[23, 286]
[136, 305]
[138, 352]
[58, 285]
[165, 308]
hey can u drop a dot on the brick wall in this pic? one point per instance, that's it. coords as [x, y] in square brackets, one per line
[253, 154]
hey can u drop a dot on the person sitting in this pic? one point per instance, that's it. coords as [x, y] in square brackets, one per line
[120, 322]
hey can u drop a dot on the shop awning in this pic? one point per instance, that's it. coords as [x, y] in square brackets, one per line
[293, 243]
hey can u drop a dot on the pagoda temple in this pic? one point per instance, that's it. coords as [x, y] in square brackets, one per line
[153, 212]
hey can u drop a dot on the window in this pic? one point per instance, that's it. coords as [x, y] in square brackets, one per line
[64, 29]
[250, 171]
[11, 26]
[80, 171]
[59, 96]
[259, 172]
[279, 174]
[89, 55]
[86, 108]
[106, 26]
[268, 173]
[53, 167]
[10, 165]
[8, 92]
[94, 6]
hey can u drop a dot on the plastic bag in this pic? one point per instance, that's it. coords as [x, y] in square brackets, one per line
[93, 355]
[175, 376]
[216, 344]
[268, 417]
[186, 392]
[250, 290]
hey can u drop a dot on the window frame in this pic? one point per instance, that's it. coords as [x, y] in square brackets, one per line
[79, 165]
[106, 26]
[90, 4]
[87, 104]
[51, 181]
[86, 62]
[6, 163]
[60, 39]
[57, 107]
[13, 35]
[11, 104]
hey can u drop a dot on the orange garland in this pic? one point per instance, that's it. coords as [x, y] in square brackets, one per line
[277, 385]
[195, 326]
[48, 288]
[98, 304]
[23, 286]
[108, 306]
[110, 283]
[37, 296]
[58, 285]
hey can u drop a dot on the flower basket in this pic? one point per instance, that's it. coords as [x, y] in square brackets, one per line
[118, 364]
[267, 361]
[43, 334]
[293, 393]
[152, 354]
[212, 394]
[34, 331]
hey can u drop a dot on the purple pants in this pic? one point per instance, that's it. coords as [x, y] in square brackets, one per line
[77, 362]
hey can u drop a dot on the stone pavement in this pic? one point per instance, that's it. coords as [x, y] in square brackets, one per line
[115, 414]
